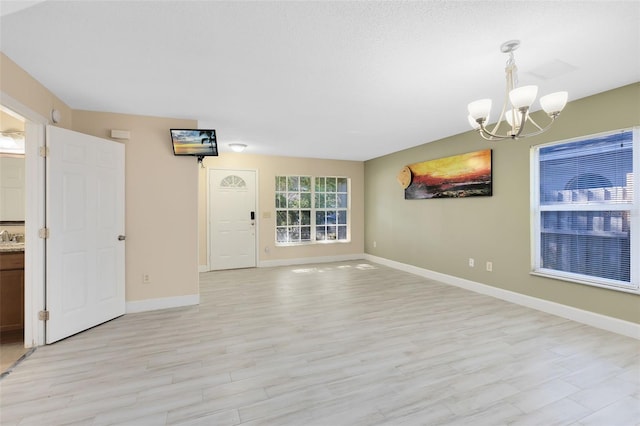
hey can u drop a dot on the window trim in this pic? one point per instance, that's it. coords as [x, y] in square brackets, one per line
[536, 210]
[313, 210]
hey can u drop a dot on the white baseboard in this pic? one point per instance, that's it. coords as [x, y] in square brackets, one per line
[593, 319]
[307, 260]
[203, 268]
[161, 303]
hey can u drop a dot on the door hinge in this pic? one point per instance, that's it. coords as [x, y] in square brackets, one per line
[43, 315]
[43, 233]
[44, 151]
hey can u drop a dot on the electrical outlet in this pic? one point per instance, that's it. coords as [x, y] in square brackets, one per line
[489, 266]
[146, 279]
[375, 244]
[472, 262]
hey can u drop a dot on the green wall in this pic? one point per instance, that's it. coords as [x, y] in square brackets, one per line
[442, 234]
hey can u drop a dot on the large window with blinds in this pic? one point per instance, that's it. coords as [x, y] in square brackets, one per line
[585, 213]
[312, 209]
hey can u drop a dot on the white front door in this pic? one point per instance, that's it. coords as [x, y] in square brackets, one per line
[232, 219]
[85, 217]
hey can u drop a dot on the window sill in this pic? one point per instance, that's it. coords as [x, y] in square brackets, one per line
[572, 279]
[312, 243]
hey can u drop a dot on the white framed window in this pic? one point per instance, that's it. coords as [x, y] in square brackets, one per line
[585, 215]
[312, 209]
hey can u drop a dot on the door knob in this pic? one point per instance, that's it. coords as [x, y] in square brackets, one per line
[121, 237]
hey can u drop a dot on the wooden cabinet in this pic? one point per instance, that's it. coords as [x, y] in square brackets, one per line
[11, 293]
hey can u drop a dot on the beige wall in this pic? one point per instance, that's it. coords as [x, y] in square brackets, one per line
[15, 82]
[268, 167]
[161, 204]
[441, 235]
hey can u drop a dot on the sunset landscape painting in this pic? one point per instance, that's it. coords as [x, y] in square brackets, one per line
[464, 175]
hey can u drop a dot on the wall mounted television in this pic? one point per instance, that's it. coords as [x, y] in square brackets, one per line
[196, 142]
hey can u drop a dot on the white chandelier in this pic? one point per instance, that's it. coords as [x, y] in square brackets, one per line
[521, 99]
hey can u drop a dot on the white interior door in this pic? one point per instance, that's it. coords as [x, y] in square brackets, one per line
[232, 219]
[85, 217]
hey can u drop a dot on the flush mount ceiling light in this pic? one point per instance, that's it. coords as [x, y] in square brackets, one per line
[521, 99]
[237, 147]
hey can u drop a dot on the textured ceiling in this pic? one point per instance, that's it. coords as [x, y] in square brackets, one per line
[346, 80]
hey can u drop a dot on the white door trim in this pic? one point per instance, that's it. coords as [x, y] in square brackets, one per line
[257, 221]
[34, 262]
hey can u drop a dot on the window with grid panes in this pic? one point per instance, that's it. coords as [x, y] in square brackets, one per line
[586, 215]
[311, 209]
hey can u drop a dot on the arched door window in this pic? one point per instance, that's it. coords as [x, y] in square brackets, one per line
[233, 181]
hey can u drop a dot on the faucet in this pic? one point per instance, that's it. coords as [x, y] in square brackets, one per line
[5, 236]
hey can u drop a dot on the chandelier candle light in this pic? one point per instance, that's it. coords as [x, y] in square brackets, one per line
[521, 99]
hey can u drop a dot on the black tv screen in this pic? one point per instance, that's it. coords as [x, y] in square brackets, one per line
[198, 142]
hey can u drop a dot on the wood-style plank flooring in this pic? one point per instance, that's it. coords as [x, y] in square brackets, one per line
[350, 343]
[10, 353]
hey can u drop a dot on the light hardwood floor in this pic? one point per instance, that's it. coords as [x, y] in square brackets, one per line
[10, 353]
[350, 343]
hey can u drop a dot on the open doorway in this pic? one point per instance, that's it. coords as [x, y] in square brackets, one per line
[34, 218]
[45, 202]
[12, 237]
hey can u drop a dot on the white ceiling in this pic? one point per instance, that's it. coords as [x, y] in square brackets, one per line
[348, 80]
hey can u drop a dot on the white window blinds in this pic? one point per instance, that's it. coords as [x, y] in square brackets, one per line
[585, 211]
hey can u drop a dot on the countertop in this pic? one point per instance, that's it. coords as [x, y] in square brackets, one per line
[11, 247]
